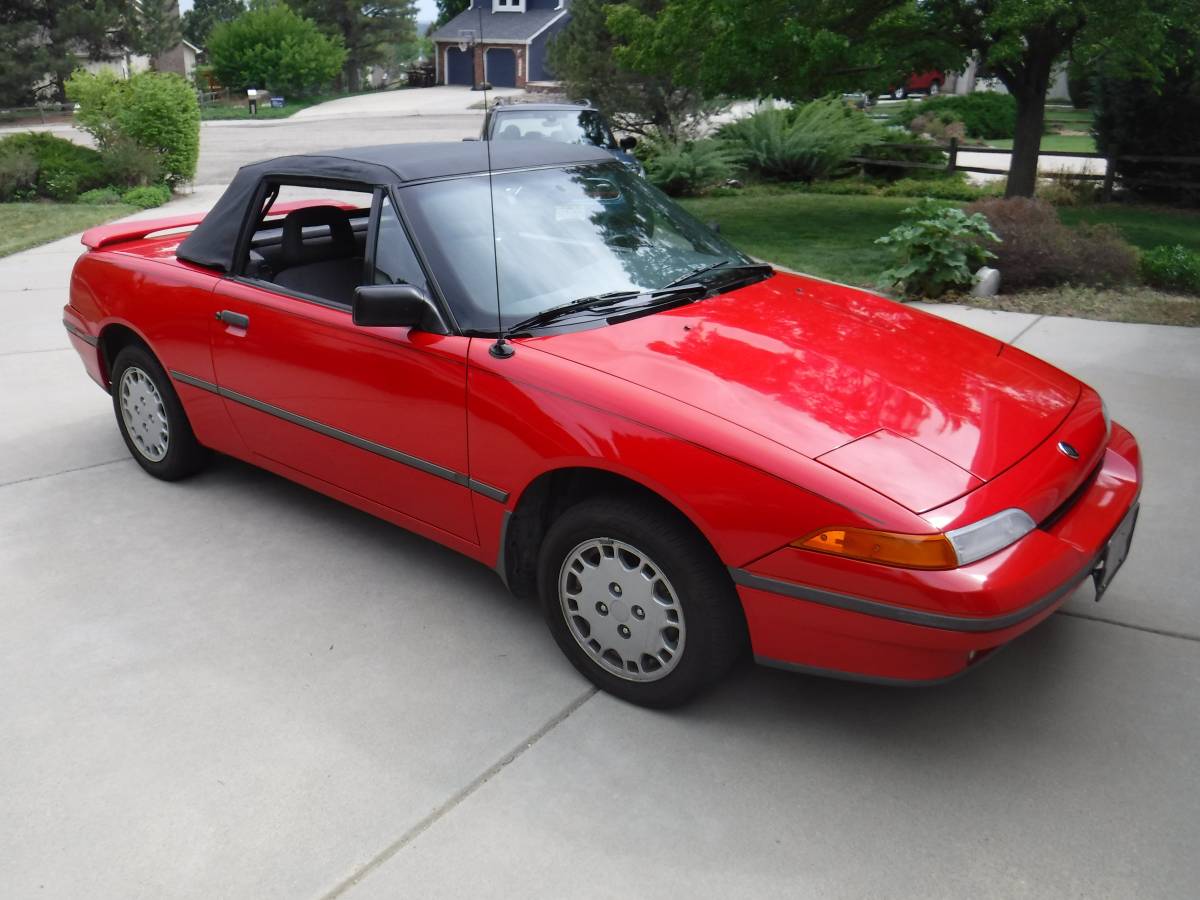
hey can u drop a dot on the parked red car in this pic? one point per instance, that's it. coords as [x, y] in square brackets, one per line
[919, 83]
[559, 373]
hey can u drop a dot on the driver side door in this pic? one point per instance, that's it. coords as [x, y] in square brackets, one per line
[375, 411]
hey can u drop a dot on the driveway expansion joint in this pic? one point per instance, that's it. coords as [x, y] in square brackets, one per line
[1161, 632]
[1025, 331]
[458, 797]
[107, 462]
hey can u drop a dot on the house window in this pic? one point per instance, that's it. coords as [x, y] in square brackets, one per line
[508, 6]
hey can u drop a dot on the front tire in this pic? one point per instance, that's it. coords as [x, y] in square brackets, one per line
[638, 601]
[151, 418]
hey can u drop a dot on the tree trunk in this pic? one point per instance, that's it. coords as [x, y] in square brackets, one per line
[1029, 90]
[352, 74]
[1027, 144]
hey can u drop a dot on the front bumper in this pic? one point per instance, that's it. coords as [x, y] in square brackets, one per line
[860, 620]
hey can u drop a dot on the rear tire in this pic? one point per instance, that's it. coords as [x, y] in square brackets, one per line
[638, 601]
[899, 93]
[151, 418]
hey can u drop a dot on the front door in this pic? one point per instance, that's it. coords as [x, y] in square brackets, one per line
[379, 412]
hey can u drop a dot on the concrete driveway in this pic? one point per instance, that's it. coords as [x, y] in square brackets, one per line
[442, 100]
[233, 687]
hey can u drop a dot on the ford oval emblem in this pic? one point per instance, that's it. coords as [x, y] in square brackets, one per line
[1067, 450]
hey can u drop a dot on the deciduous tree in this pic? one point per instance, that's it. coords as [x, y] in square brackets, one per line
[204, 15]
[270, 46]
[636, 99]
[798, 49]
[448, 9]
[367, 29]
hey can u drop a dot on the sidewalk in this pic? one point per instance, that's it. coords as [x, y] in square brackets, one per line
[234, 687]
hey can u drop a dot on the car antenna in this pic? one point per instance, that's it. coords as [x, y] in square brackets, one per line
[502, 348]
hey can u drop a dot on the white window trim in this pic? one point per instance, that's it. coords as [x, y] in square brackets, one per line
[510, 6]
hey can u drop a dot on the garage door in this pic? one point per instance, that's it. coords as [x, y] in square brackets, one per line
[502, 67]
[459, 67]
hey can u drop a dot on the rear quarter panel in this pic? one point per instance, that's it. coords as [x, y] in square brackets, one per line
[167, 304]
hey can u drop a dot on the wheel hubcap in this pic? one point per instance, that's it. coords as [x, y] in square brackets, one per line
[144, 414]
[622, 610]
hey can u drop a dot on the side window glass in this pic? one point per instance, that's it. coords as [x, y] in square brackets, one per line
[395, 260]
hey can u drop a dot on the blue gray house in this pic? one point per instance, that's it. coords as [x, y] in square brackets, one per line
[502, 42]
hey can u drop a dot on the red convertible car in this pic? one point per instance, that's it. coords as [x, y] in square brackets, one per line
[540, 361]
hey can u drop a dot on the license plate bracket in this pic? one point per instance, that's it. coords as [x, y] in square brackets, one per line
[1115, 553]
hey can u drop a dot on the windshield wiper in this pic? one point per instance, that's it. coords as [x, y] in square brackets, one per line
[722, 264]
[600, 301]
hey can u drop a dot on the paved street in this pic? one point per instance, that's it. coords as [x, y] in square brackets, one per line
[234, 687]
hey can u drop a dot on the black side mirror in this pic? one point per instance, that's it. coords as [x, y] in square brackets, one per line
[628, 143]
[396, 305]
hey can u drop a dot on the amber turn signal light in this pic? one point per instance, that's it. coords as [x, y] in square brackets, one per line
[910, 551]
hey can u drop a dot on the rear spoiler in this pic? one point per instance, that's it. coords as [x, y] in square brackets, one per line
[120, 232]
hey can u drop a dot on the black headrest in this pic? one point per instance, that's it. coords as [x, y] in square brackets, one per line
[341, 235]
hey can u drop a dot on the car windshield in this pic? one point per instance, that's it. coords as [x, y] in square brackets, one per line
[566, 126]
[561, 234]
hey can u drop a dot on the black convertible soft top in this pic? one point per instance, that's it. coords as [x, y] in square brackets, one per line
[213, 243]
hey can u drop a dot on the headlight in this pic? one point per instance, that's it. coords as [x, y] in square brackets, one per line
[987, 536]
[923, 551]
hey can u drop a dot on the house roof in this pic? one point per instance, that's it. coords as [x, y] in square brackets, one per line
[213, 243]
[498, 26]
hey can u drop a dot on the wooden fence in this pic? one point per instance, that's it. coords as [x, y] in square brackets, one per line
[1108, 178]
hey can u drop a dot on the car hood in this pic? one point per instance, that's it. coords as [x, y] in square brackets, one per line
[917, 407]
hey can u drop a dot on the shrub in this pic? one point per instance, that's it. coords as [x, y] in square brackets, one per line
[129, 164]
[1172, 268]
[896, 144]
[1062, 190]
[983, 114]
[147, 197]
[1038, 250]
[942, 126]
[18, 174]
[857, 187]
[686, 168]
[937, 248]
[941, 187]
[63, 168]
[155, 111]
[272, 47]
[1153, 118]
[812, 141]
[100, 196]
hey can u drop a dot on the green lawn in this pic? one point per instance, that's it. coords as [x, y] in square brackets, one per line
[241, 110]
[1077, 119]
[1142, 226]
[833, 236]
[829, 236]
[25, 225]
[265, 111]
[1071, 143]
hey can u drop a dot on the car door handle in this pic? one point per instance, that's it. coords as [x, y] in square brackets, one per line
[232, 318]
